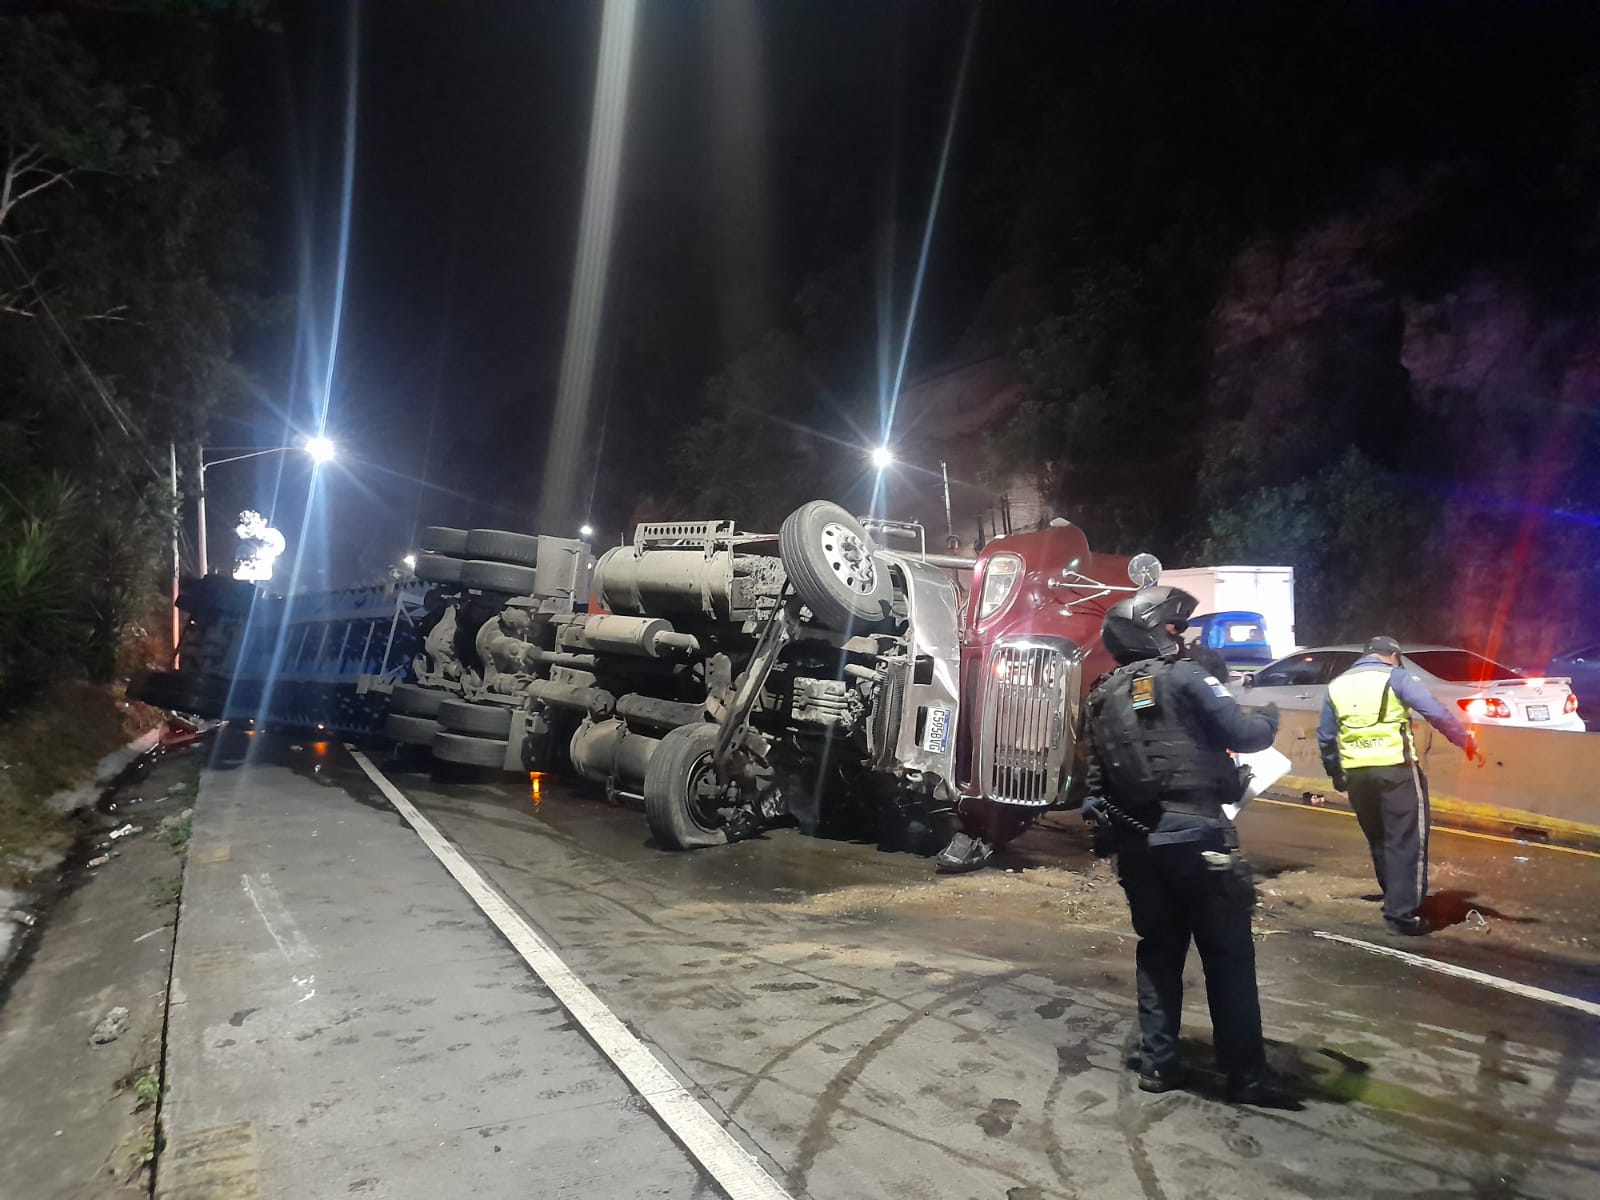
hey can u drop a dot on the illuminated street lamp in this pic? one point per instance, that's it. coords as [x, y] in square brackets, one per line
[586, 532]
[320, 447]
[882, 458]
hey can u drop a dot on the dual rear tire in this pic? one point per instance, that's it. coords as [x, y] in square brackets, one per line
[487, 560]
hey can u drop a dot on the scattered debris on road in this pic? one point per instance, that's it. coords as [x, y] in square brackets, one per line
[112, 1026]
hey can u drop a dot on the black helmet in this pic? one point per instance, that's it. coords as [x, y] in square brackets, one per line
[1136, 628]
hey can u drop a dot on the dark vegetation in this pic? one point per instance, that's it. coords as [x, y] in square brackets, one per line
[124, 251]
[1294, 283]
[124, 254]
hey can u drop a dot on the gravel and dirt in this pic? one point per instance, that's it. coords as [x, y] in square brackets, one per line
[83, 1008]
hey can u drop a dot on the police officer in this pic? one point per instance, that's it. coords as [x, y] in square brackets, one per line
[1158, 732]
[1365, 739]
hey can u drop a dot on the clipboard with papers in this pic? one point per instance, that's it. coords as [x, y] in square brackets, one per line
[1259, 770]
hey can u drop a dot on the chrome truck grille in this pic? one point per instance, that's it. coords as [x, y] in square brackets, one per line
[1029, 705]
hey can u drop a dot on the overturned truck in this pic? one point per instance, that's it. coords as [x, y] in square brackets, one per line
[728, 681]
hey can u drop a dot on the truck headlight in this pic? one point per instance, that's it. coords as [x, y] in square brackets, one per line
[1000, 578]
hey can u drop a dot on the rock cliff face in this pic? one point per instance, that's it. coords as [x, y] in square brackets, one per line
[1481, 399]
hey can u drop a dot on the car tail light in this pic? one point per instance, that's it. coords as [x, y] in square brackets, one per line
[1485, 708]
[1571, 705]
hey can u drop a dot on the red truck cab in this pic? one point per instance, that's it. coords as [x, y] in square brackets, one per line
[1030, 651]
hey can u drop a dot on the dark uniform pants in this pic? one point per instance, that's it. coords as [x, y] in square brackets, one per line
[1391, 805]
[1175, 898]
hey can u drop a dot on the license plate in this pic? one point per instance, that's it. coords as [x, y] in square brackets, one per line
[936, 733]
[1537, 712]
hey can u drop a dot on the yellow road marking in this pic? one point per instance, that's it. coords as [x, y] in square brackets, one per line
[1467, 833]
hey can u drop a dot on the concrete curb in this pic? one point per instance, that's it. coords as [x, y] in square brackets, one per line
[1451, 812]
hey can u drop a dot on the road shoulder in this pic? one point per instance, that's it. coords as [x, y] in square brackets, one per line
[79, 1115]
[344, 1019]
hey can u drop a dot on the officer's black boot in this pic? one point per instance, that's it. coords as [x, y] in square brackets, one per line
[1161, 1079]
[1262, 1090]
[1415, 925]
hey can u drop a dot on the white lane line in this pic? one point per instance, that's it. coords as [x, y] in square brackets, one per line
[733, 1167]
[1494, 981]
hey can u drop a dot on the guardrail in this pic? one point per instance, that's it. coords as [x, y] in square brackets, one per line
[1533, 784]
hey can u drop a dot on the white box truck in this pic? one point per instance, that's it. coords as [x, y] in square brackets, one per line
[1267, 592]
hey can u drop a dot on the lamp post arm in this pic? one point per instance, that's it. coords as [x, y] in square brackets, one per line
[217, 462]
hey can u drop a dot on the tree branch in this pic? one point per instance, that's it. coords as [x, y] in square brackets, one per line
[23, 165]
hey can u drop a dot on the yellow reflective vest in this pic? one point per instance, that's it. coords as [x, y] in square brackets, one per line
[1374, 726]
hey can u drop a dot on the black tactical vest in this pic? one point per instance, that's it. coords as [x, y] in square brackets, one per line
[1146, 753]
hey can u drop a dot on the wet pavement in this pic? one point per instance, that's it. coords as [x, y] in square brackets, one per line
[343, 1019]
[878, 1031]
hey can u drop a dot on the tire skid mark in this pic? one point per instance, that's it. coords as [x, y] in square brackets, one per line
[1133, 1120]
[860, 1114]
[586, 889]
[763, 1073]
[1054, 1151]
[813, 1140]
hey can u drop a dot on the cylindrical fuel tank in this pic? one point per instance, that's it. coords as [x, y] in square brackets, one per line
[606, 750]
[624, 635]
[664, 581]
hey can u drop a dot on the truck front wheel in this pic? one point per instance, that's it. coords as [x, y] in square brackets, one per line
[682, 796]
[833, 565]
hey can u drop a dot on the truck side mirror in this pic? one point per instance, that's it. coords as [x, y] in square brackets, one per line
[1144, 569]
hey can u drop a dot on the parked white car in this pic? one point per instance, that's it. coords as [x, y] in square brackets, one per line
[1479, 690]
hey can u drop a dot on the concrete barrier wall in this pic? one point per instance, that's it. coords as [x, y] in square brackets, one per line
[1533, 783]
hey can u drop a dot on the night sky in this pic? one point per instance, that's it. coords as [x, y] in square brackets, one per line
[754, 145]
[768, 142]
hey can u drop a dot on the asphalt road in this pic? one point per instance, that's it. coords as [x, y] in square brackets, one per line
[879, 1031]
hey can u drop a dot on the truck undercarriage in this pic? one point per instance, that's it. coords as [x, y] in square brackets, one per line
[723, 680]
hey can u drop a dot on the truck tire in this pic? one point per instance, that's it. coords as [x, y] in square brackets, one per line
[416, 701]
[504, 578]
[680, 790]
[475, 720]
[409, 730]
[501, 545]
[437, 568]
[833, 565]
[441, 539]
[469, 751]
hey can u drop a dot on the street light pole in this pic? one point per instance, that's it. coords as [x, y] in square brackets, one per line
[949, 525]
[200, 506]
[177, 562]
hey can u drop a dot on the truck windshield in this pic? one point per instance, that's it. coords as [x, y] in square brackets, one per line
[1460, 666]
